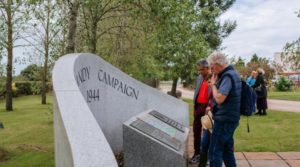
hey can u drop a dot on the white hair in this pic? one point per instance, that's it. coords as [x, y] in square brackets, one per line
[217, 58]
[261, 71]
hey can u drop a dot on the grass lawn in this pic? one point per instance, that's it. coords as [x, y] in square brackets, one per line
[278, 131]
[291, 95]
[27, 136]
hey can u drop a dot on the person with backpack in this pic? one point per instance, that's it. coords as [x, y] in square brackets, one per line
[261, 92]
[226, 88]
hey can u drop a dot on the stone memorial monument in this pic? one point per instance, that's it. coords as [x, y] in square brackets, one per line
[92, 101]
[153, 139]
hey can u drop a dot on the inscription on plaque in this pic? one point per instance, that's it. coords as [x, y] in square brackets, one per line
[156, 133]
[167, 120]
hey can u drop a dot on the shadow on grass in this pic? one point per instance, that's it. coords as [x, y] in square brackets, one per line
[3, 155]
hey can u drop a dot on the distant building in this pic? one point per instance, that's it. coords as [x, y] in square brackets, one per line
[287, 70]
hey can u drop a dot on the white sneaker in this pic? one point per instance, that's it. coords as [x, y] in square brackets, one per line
[195, 159]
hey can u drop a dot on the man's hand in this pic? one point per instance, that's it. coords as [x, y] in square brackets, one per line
[219, 97]
[213, 80]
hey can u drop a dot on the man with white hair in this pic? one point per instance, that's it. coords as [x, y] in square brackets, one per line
[226, 88]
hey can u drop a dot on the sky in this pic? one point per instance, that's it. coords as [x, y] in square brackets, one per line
[263, 27]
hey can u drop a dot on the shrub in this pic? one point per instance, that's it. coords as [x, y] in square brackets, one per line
[283, 84]
[14, 90]
[2, 89]
[36, 88]
[24, 88]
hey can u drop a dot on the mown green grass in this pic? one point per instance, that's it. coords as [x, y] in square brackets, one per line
[290, 95]
[28, 133]
[278, 131]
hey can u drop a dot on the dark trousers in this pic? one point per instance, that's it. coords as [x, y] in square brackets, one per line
[221, 145]
[199, 111]
[205, 140]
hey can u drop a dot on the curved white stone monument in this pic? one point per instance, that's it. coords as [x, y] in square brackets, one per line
[92, 101]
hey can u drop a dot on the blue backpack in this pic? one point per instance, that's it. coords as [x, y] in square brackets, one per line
[248, 100]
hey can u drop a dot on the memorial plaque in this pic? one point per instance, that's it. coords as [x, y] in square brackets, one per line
[156, 133]
[167, 120]
[149, 141]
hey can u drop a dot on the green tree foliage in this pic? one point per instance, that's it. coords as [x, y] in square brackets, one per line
[113, 30]
[210, 26]
[144, 38]
[94, 17]
[254, 58]
[260, 62]
[283, 84]
[179, 45]
[291, 55]
[240, 65]
[186, 31]
[255, 62]
[32, 72]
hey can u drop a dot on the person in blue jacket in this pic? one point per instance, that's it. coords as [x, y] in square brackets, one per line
[251, 79]
[226, 88]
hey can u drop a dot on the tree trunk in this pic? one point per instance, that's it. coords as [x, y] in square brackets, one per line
[45, 68]
[9, 106]
[44, 79]
[94, 37]
[174, 86]
[72, 26]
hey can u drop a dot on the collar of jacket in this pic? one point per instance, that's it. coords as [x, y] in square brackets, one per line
[226, 69]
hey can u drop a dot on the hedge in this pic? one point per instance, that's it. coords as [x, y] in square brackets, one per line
[25, 88]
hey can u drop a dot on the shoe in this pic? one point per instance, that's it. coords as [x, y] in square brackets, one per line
[258, 113]
[195, 159]
[203, 159]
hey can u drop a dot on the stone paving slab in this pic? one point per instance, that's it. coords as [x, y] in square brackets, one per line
[256, 159]
[239, 156]
[242, 163]
[261, 156]
[290, 155]
[294, 163]
[268, 163]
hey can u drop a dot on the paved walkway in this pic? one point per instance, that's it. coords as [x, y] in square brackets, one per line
[257, 159]
[279, 105]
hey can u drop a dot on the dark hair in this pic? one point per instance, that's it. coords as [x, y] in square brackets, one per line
[202, 63]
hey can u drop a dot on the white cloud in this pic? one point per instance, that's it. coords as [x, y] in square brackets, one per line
[263, 27]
